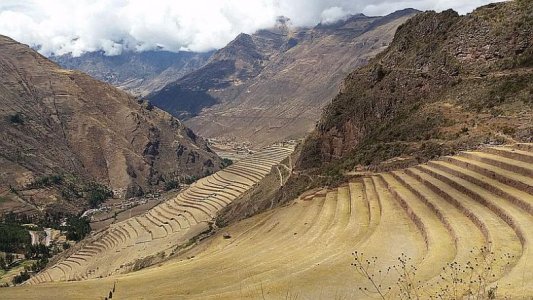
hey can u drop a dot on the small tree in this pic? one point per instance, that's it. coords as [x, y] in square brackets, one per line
[23, 276]
[171, 184]
[16, 119]
[226, 162]
[3, 265]
[97, 194]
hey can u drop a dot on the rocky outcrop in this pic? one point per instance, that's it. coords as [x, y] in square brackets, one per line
[446, 82]
[272, 85]
[56, 121]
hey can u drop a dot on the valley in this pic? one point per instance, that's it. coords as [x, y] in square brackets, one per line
[166, 228]
[436, 215]
[272, 85]
[360, 157]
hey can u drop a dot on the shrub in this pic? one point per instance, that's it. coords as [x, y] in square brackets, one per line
[37, 251]
[23, 276]
[190, 179]
[46, 181]
[226, 162]
[16, 119]
[77, 228]
[171, 184]
[471, 280]
[97, 194]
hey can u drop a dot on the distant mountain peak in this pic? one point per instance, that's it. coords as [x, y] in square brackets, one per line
[271, 85]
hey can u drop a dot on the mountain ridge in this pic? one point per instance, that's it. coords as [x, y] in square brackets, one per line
[64, 123]
[447, 82]
[256, 97]
[139, 73]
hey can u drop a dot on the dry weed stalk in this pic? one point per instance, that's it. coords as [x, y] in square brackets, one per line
[473, 280]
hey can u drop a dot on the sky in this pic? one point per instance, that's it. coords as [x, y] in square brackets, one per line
[113, 26]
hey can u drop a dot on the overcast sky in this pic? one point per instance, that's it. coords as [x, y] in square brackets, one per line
[77, 26]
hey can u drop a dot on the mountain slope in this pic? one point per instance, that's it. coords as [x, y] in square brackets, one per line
[58, 122]
[273, 84]
[138, 73]
[242, 59]
[447, 82]
[462, 218]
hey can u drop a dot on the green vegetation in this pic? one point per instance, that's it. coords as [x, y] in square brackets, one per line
[46, 181]
[189, 179]
[66, 246]
[6, 260]
[77, 228]
[149, 106]
[38, 261]
[171, 184]
[97, 194]
[226, 162]
[16, 119]
[37, 251]
[21, 277]
[508, 91]
[73, 188]
[14, 238]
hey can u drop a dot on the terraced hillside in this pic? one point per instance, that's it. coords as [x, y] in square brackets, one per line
[432, 215]
[139, 241]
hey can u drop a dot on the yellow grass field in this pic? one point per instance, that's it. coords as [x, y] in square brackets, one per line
[473, 209]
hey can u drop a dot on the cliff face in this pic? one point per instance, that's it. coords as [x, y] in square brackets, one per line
[138, 73]
[446, 82]
[272, 85]
[56, 122]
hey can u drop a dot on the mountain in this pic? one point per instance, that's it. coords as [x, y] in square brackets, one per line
[137, 72]
[58, 124]
[272, 85]
[241, 60]
[447, 82]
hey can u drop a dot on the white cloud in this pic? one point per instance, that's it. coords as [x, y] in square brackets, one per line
[333, 14]
[77, 26]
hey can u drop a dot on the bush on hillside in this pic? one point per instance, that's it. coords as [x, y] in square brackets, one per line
[226, 162]
[77, 228]
[97, 194]
[14, 238]
[16, 119]
[46, 181]
[171, 184]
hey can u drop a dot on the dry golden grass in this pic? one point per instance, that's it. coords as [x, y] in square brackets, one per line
[434, 215]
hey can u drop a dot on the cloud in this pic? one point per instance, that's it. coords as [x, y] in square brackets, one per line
[78, 26]
[333, 14]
